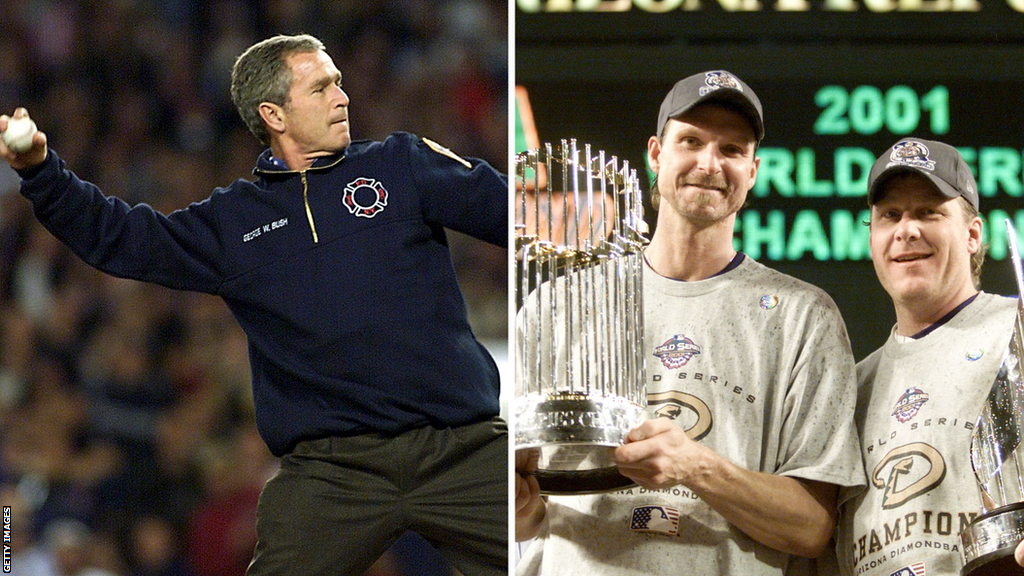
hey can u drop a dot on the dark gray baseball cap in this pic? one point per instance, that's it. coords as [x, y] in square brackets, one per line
[940, 163]
[712, 86]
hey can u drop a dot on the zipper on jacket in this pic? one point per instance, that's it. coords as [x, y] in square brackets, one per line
[305, 187]
[309, 213]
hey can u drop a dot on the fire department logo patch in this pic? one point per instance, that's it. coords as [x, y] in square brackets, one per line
[909, 403]
[676, 351]
[365, 197]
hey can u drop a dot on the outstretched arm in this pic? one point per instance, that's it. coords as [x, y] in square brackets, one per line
[183, 250]
[788, 514]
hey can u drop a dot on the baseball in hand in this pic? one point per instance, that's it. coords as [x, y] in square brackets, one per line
[19, 133]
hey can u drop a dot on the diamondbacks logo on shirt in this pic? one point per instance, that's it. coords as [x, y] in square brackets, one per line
[676, 351]
[671, 405]
[365, 197]
[907, 472]
[915, 569]
[662, 519]
[909, 403]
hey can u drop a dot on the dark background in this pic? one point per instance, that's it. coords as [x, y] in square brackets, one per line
[600, 78]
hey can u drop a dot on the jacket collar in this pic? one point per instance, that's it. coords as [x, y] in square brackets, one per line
[266, 164]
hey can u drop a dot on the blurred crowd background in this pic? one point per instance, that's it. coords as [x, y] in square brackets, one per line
[127, 444]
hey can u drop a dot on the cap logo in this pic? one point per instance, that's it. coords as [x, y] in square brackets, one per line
[719, 79]
[910, 153]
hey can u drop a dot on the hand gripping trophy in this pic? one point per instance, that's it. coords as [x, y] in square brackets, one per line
[996, 455]
[579, 360]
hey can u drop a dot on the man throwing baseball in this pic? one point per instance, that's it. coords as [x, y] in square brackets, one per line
[367, 380]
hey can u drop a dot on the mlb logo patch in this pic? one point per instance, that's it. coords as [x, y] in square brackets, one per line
[915, 569]
[661, 519]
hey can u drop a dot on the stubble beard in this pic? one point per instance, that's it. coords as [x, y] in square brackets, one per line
[710, 187]
[703, 199]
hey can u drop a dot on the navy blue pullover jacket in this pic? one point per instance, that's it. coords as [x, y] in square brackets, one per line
[340, 276]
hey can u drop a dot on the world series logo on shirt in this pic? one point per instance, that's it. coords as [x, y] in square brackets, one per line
[909, 404]
[677, 351]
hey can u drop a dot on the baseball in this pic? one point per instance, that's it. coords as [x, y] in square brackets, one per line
[19, 133]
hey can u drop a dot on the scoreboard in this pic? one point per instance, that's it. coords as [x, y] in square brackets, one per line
[840, 81]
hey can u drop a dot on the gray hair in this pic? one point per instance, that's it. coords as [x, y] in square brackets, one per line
[261, 74]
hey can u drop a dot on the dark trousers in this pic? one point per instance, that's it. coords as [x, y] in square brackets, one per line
[337, 504]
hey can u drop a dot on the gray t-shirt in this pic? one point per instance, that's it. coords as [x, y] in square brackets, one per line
[917, 407]
[757, 366]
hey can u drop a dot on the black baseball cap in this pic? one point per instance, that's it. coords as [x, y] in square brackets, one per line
[940, 163]
[712, 86]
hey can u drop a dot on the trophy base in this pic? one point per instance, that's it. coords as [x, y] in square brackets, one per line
[990, 541]
[559, 483]
[573, 469]
[575, 436]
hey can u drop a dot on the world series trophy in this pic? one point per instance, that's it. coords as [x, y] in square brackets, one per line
[990, 539]
[579, 363]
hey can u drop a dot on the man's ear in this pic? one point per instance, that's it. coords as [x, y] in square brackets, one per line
[974, 235]
[273, 116]
[653, 152]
